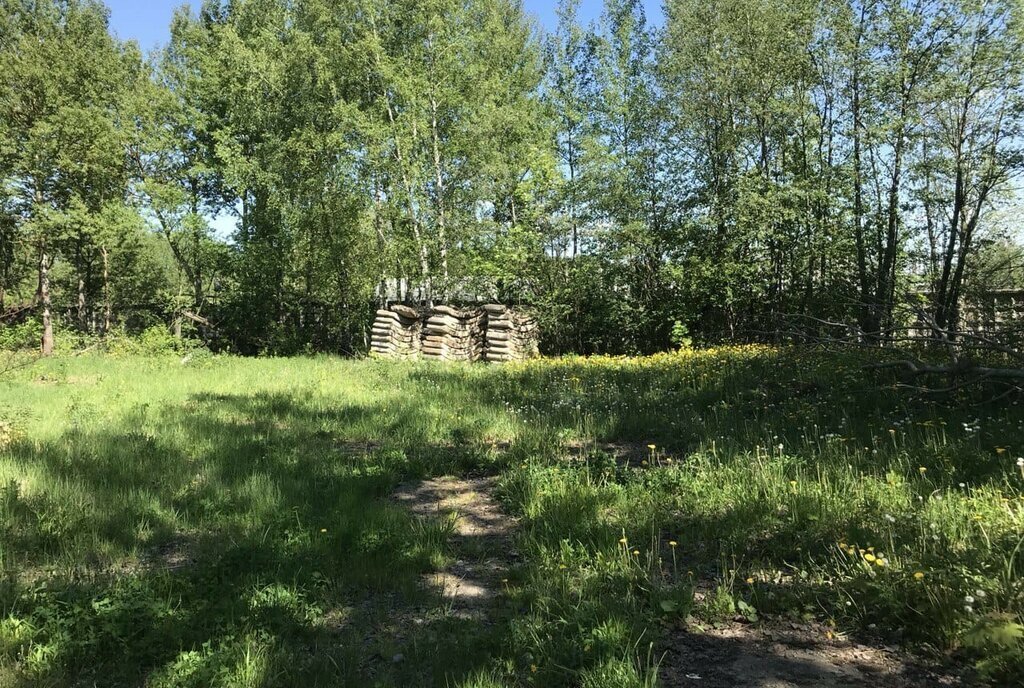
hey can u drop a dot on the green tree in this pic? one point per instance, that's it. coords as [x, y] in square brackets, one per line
[63, 78]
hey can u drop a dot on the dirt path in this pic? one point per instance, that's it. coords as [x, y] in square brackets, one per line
[481, 540]
[782, 654]
[773, 653]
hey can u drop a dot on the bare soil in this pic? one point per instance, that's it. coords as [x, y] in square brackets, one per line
[777, 653]
[481, 539]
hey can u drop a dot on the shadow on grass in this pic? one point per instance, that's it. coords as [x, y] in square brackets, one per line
[247, 538]
[229, 539]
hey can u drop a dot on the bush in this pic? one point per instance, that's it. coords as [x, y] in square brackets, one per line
[153, 341]
[25, 335]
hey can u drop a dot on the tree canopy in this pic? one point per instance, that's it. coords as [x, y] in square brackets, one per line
[741, 169]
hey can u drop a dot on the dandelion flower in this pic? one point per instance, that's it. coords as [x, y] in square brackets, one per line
[636, 553]
[1000, 450]
[652, 447]
[918, 575]
[968, 599]
[869, 557]
[673, 543]
[922, 470]
[750, 581]
[623, 541]
[323, 530]
[880, 563]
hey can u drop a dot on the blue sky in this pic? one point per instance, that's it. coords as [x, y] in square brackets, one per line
[147, 21]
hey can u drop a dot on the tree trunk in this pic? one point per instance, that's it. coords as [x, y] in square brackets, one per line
[107, 305]
[81, 304]
[869, 324]
[44, 299]
[424, 253]
[886, 285]
[442, 231]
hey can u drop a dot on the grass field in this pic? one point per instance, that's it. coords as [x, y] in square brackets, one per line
[229, 522]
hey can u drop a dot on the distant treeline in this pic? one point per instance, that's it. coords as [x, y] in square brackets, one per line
[747, 165]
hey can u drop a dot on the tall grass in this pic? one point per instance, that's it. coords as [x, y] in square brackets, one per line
[227, 521]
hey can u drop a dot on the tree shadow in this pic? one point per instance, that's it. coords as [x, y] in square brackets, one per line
[230, 536]
[251, 535]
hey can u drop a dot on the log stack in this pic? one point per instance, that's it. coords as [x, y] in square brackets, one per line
[397, 333]
[453, 334]
[511, 335]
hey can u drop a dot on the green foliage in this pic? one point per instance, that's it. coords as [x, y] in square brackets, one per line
[999, 639]
[154, 341]
[22, 336]
[619, 177]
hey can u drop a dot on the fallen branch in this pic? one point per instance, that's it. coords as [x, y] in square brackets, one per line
[982, 372]
[14, 362]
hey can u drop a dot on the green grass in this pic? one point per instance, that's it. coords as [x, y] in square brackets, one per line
[227, 522]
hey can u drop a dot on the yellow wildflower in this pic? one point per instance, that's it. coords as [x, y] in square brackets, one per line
[918, 575]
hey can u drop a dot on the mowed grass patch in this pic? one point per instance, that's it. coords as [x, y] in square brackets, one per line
[228, 521]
